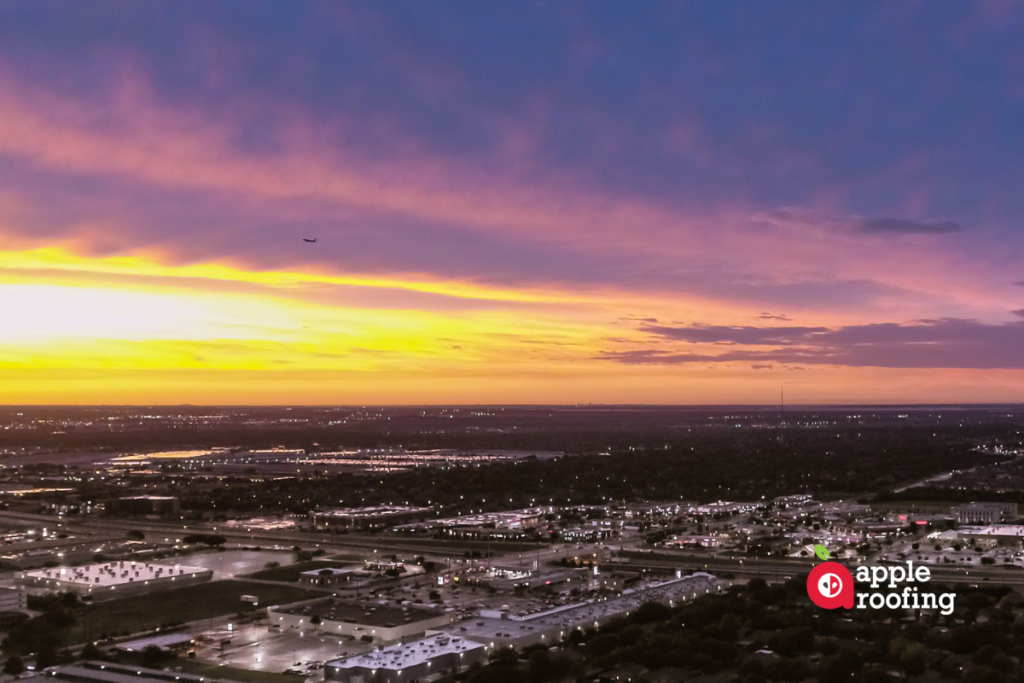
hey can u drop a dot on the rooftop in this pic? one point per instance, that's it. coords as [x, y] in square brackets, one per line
[114, 573]
[376, 511]
[409, 654]
[164, 642]
[103, 672]
[579, 615]
[994, 530]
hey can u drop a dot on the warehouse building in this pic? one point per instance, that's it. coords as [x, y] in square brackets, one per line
[367, 518]
[994, 534]
[500, 629]
[115, 579]
[147, 505]
[407, 662]
[108, 672]
[382, 621]
[985, 513]
[332, 576]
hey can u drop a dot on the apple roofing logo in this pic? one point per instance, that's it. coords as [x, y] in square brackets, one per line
[830, 584]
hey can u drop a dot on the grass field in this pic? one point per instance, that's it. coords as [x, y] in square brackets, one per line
[192, 603]
[291, 572]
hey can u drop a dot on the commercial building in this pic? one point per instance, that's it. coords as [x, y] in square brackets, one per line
[511, 525]
[331, 576]
[168, 642]
[368, 518]
[408, 662]
[147, 505]
[500, 629]
[108, 672]
[994, 534]
[985, 513]
[115, 579]
[13, 607]
[382, 621]
[13, 600]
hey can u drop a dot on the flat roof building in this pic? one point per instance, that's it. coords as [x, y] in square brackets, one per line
[407, 662]
[552, 626]
[147, 505]
[999, 534]
[985, 513]
[115, 579]
[377, 517]
[108, 672]
[168, 642]
[331, 576]
[380, 620]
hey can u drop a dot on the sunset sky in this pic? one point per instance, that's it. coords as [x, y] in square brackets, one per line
[536, 202]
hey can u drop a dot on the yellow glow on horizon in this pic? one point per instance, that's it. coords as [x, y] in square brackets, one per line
[50, 258]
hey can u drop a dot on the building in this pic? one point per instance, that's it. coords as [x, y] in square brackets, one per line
[985, 513]
[168, 642]
[115, 579]
[13, 607]
[497, 629]
[13, 600]
[147, 505]
[382, 621]
[618, 581]
[408, 662]
[367, 518]
[511, 525]
[994, 534]
[108, 672]
[331, 576]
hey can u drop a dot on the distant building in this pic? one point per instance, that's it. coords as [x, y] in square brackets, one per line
[994, 534]
[511, 525]
[619, 580]
[382, 621]
[13, 600]
[985, 513]
[168, 642]
[368, 518]
[147, 505]
[408, 662]
[331, 576]
[115, 579]
[108, 672]
[500, 628]
[13, 607]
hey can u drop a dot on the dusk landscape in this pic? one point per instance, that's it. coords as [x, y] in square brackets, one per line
[528, 342]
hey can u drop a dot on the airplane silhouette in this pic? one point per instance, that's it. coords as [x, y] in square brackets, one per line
[310, 241]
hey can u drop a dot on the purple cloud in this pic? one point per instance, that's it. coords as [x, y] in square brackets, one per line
[944, 343]
[856, 224]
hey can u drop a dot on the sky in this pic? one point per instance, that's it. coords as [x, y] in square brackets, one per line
[533, 202]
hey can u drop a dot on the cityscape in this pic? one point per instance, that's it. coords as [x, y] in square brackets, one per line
[390, 341]
[466, 543]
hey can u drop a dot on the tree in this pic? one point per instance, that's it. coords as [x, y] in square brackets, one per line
[152, 655]
[542, 666]
[914, 659]
[92, 651]
[14, 666]
[46, 657]
[316, 621]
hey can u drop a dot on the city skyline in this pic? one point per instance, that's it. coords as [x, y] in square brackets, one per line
[546, 203]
